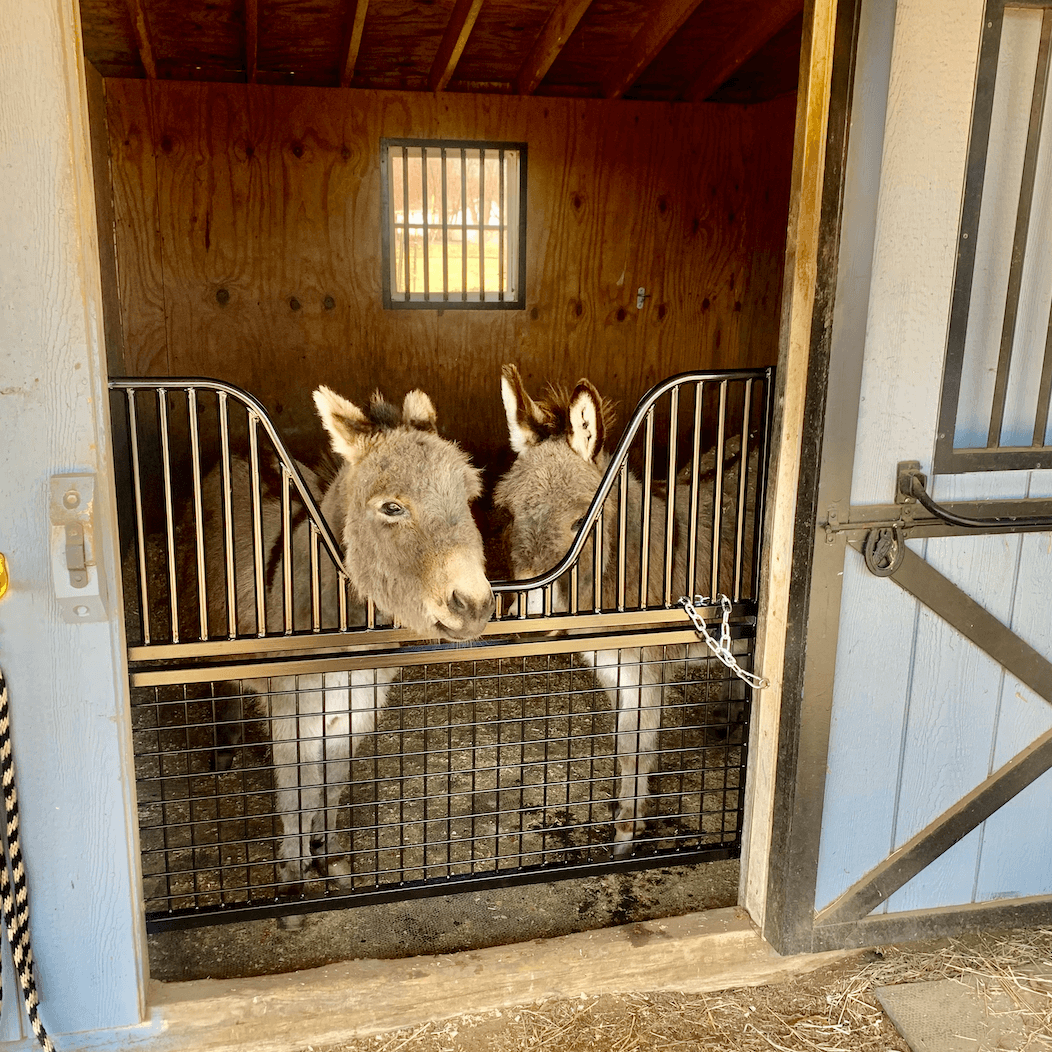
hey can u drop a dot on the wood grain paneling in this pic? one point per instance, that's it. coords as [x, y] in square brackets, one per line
[249, 245]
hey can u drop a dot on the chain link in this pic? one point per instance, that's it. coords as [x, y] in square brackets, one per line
[720, 647]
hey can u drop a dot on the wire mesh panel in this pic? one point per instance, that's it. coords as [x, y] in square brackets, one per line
[478, 770]
[292, 754]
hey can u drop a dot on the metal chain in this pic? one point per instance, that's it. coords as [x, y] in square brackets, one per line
[721, 647]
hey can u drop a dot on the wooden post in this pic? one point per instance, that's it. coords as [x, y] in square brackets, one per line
[68, 682]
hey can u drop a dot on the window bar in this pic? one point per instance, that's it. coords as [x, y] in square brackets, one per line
[743, 492]
[644, 545]
[966, 241]
[1044, 391]
[286, 548]
[257, 523]
[717, 493]
[695, 487]
[482, 225]
[140, 532]
[228, 515]
[405, 219]
[670, 502]
[423, 218]
[464, 224]
[445, 229]
[199, 538]
[169, 523]
[1022, 229]
[500, 226]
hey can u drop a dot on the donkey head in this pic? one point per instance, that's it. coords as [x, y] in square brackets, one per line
[400, 505]
[558, 467]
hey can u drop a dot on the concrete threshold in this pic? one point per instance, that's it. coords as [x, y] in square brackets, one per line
[697, 953]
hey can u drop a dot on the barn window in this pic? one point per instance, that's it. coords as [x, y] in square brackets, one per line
[998, 378]
[454, 224]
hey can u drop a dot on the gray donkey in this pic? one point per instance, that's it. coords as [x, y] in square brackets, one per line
[400, 507]
[560, 463]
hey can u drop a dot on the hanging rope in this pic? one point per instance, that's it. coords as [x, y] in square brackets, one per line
[720, 647]
[14, 898]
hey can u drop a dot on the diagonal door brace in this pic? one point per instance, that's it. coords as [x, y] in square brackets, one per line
[1018, 658]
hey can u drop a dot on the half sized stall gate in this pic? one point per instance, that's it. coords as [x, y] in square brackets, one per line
[492, 762]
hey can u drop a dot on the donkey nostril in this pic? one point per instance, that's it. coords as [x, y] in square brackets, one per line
[457, 603]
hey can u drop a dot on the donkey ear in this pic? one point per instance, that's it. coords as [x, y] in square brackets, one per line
[418, 411]
[586, 428]
[526, 422]
[344, 421]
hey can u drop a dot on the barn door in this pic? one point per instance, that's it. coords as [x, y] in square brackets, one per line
[911, 793]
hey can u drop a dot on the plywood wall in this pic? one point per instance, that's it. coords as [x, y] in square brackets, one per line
[233, 201]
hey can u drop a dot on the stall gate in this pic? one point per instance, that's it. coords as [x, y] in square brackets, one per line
[492, 762]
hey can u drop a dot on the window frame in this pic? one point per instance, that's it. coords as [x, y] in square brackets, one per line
[950, 458]
[444, 299]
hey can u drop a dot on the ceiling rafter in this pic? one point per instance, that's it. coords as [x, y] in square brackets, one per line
[557, 30]
[251, 40]
[352, 40]
[454, 40]
[141, 29]
[757, 32]
[662, 24]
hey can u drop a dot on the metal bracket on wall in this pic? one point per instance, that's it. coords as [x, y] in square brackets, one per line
[74, 562]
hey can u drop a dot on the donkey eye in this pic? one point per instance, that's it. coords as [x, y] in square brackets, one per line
[577, 524]
[392, 509]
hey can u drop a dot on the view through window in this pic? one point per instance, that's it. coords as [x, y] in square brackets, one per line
[453, 223]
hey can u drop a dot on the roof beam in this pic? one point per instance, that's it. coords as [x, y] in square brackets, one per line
[557, 30]
[141, 29]
[352, 40]
[758, 30]
[251, 39]
[662, 23]
[454, 40]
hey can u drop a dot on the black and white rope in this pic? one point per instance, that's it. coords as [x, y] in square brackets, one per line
[14, 896]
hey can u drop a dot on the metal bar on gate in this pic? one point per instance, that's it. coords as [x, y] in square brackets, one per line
[140, 531]
[424, 220]
[597, 565]
[227, 485]
[695, 484]
[1020, 237]
[169, 522]
[315, 583]
[644, 543]
[445, 229]
[199, 536]
[257, 526]
[670, 501]
[622, 534]
[717, 496]
[286, 549]
[482, 225]
[743, 483]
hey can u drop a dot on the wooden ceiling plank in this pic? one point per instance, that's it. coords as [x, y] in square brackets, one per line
[662, 24]
[454, 40]
[251, 40]
[758, 30]
[557, 30]
[352, 41]
[142, 37]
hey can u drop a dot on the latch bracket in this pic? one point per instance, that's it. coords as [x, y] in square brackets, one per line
[75, 574]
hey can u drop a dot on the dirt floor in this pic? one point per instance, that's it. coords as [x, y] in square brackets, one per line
[829, 1010]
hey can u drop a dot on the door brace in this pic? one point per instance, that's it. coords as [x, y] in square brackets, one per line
[1019, 659]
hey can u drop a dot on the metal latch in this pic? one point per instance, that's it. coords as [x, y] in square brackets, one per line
[75, 572]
